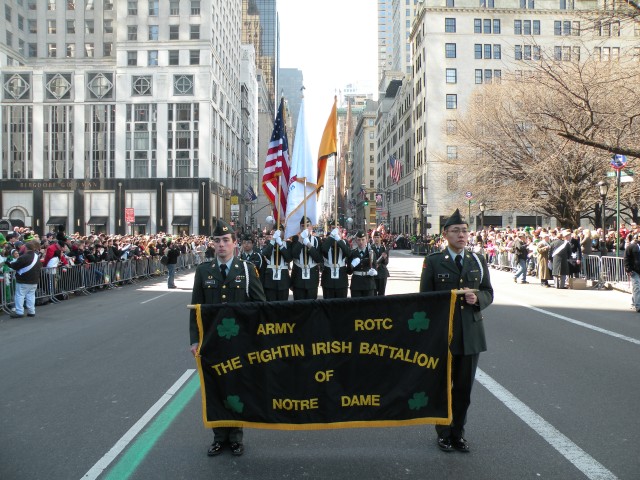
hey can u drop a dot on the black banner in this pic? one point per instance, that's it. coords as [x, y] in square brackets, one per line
[316, 364]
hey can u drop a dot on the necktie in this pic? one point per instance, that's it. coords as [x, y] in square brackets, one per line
[459, 262]
[223, 270]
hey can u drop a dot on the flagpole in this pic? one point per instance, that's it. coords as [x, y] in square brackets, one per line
[304, 218]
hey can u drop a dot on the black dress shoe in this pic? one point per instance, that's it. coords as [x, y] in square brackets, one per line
[445, 444]
[237, 449]
[460, 444]
[215, 449]
[16, 315]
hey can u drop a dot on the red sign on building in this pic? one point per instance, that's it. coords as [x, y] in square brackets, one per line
[129, 215]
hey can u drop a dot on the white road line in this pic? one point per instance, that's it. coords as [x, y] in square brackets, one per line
[121, 444]
[154, 298]
[588, 465]
[579, 323]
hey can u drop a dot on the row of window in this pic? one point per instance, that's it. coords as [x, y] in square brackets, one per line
[524, 4]
[153, 7]
[152, 58]
[71, 4]
[107, 26]
[451, 75]
[532, 27]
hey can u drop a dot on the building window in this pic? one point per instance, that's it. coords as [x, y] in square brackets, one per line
[526, 27]
[108, 26]
[21, 23]
[536, 27]
[194, 32]
[452, 152]
[71, 50]
[33, 26]
[527, 52]
[107, 48]
[487, 51]
[152, 58]
[141, 142]
[51, 50]
[132, 32]
[51, 5]
[477, 25]
[452, 181]
[51, 27]
[452, 127]
[477, 51]
[88, 5]
[195, 7]
[71, 27]
[194, 57]
[486, 25]
[497, 51]
[452, 101]
[478, 76]
[174, 57]
[154, 8]
[496, 26]
[174, 32]
[141, 86]
[88, 27]
[7, 13]
[517, 54]
[497, 76]
[108, 5]
[450, 50]
[451, 3]
[33, 50]
[153, 32]
[132, 7]
[88, 50]
[174, 7]
[132, 58]
[450, 25]
[452, 75]
[183, 85]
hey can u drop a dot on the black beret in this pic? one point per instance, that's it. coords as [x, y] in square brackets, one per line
[360, 234]
[304, 220]
[247, 238]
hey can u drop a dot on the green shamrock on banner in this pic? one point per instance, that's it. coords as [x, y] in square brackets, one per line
[234, 404]
[228, 328]
[419, 322]
[418, 401]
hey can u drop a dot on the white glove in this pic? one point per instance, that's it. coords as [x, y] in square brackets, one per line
[335, 232]
[279, 240]
[276, 235]
[355, 262]
[272, 242]
[372, 272]
[304, 234]
[306, 241]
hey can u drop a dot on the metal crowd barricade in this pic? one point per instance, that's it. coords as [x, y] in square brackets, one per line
[56, 283]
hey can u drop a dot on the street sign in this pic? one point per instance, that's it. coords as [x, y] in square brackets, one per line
[423, 205]
[129, 215]
[618, 162]
[468, 195]
[623, 173]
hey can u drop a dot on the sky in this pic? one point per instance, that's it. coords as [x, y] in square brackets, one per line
[334, 43]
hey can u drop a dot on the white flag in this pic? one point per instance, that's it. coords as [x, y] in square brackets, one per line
[302, 181]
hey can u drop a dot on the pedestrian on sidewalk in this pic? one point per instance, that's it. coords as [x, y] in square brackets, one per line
[632, 267]
[27, 267]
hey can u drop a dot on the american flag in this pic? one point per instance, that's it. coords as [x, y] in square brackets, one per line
[395, 168]
[250, 194]
[276, 166]
[362, 193]
[378, 198]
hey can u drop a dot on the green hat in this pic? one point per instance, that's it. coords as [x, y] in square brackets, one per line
[2, 240]
[360, 234]
[455, 219]
[222, 228]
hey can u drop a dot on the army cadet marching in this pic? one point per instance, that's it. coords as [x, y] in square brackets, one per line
[277, 255]
[382, 260]
[361, 263]
[335, 251]
[452, 269]
[305, 273]
[249, 254]
[225, 279]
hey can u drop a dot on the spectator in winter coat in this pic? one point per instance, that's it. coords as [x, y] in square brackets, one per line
[27, 267]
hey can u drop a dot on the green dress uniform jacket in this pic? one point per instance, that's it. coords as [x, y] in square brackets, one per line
[269, 252]
[440, 273]
[253, 257]
[210, 288]
[337, 252]
[381, 263]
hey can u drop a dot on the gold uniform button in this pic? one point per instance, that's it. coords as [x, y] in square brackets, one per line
[224, 286]
[224, 296]
[461, 307]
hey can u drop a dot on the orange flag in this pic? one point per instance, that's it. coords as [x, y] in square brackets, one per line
[328, 144]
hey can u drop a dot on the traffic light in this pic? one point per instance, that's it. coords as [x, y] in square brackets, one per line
[365, 203]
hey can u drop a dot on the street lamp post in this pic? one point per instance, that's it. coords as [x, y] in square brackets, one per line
[388, 195]
[482, 209]
[603, 188]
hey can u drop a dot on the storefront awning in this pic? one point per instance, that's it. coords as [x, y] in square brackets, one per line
[98, 221]
[141, 220]
[57, 221]
[16, 222]
[181, 220]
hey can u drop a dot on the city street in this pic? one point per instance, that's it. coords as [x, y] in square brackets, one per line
[105, 387]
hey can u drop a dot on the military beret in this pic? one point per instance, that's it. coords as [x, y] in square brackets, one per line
[247, 238]
[376, 233]
[304, 220]
[360, 234]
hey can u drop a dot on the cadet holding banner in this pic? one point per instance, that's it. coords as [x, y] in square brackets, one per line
[455, 268]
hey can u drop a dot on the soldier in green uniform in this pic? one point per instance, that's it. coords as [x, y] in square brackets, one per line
[456, 268]
[335, 251]
[306, 254]
[249, 253]
[360, 264]
[225, 279]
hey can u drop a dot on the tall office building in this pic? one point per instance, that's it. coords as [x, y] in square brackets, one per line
[291, 82]
[385, 31]
[134, 104]
[466, 44]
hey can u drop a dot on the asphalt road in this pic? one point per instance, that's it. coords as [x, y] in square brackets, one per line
[555, 396]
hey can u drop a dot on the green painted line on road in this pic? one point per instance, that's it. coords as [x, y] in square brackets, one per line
[137, 452]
